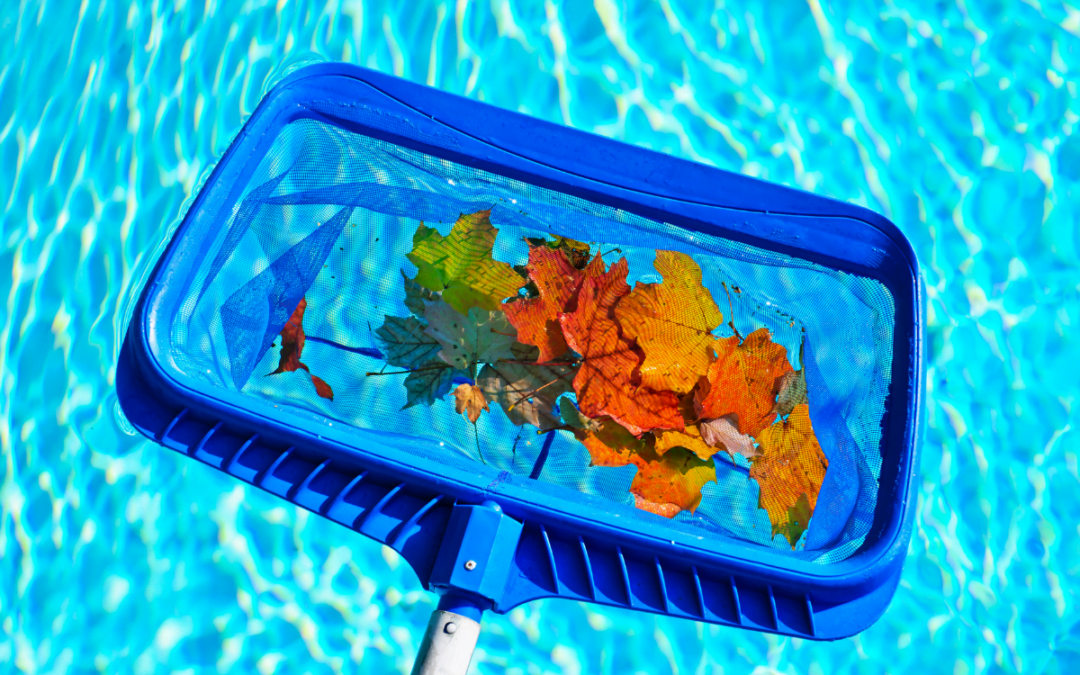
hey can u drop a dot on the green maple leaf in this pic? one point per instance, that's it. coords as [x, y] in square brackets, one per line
[405, 343]
[526, 390]
[460, 266]
[428, 383]
[480, 337]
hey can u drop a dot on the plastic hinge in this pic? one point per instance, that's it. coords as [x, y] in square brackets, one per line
[477, 551]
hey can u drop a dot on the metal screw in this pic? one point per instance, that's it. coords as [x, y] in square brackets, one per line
[470, 565]
[450, 628]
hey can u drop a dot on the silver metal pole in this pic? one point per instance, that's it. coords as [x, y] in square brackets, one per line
[448, 645]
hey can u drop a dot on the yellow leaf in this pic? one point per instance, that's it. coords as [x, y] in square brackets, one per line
[689, 438]
[460, 265]
[791, 467]
[672, 323]
[675, 478]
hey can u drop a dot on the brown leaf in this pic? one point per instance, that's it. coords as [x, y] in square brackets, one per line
[604, 382]
[470, 401]
[292, 346]
[791, 467]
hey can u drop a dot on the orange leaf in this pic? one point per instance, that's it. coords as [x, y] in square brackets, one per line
[537, 319]
[744, 380]
[791, 468]
[470, 400]
[672, 323]
[665, 510]
[604, 382]
[292, 346]
[676, 478]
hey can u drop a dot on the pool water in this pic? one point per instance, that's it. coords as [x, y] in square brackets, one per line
[955, 120]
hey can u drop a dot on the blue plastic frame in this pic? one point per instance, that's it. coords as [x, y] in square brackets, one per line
[575, 550]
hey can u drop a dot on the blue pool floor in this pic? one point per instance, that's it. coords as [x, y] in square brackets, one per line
[957, 120]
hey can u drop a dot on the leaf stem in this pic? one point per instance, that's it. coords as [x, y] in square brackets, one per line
[405, 372]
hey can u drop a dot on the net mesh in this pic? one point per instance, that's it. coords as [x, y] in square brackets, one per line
[319, 245]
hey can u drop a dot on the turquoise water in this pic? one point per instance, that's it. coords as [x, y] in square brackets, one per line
[954, 119]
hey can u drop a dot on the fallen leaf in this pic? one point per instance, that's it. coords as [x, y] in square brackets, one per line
[460, 265]
[744, 381]
[611, 444]
[480, 337]
[526, 390]
[791, 466]
[675, 478]
[405, 343]
[690, 438]
[604, 382]
[428, 383]
[470, 401]
[415, 295]
[557, 281]
[577, 251]
[292, 346]
[672, 323]
[722, 433]
[665, 510]
[792, 392]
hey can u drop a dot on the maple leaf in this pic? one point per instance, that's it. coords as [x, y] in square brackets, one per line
[470, 401]
[791, 467]
[577, 251]
[460, 265]
[690, 438]
[292, 346]
[557, 281]
[527, 391]
[480, 337]
[405, 343]
[604, 382]
[722, 433]
[611, 444]
[428, 383]
[415, 295]
[744, 381]
[675, 478]
[672, 323]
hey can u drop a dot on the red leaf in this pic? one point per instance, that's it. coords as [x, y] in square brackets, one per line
[292, 346]
[604, 382]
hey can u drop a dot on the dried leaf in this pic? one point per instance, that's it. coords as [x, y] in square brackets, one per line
[744, 380]
[611, 444]
[460, 265]
[722, 434]
[792, 392]
[292, 346]
[675, 478]
[526, 390]
[604, 382]
[690, 438]
[791, 466]
[470, 401]
[557, 282]
[480, 337]
[415, 295]
[665, 510]
[405, 343]
[672, 323]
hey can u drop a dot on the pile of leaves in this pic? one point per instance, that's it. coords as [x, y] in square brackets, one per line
[637, 375]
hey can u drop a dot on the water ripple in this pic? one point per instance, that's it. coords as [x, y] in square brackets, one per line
[955, 119]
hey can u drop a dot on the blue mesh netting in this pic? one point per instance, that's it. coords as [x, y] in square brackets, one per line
[329, 216]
